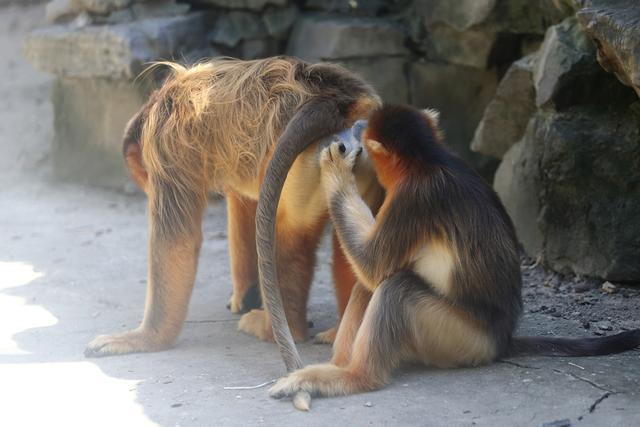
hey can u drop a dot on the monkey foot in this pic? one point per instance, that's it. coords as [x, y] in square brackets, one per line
[326, 337]
[243, 304]
[317, 380]
[255, 323]
[129, 342]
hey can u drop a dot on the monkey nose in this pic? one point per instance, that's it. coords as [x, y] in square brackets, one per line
[342, 148]
[359, 151]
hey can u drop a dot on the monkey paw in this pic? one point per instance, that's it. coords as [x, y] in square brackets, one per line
[242, 304]
[136, 341]
[317, 380]
[336, 163]
[326, 337]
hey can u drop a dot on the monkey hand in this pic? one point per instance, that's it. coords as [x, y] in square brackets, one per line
[336, 165]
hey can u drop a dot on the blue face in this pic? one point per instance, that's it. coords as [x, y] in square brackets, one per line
[350, 137]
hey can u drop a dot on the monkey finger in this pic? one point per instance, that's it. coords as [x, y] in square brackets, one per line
[325, 156]
[338, 150]
[350, 159]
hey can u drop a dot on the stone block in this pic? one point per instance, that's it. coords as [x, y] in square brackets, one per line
[321, 38]
[506, 117]
[471, 47]
[255, 5]
[115, 51]
[89, 120]
[278, 22]
[458, 14]
[386, 74]
[359, 7]
[461, 94]
[232, 28]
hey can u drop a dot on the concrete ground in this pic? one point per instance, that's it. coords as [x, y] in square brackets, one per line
[73, 265]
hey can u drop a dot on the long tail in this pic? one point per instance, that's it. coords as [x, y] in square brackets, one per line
[316, 119]
[542, 346]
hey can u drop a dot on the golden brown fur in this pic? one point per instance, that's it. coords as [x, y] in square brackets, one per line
[415, 299]
[214, 127]
[438, 267]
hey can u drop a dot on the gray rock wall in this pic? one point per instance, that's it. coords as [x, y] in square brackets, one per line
[520, 84]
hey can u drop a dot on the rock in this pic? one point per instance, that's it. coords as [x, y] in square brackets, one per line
[386, 74]
[609, 288]
[460, 15]
[258, 48]
[158, 8]
[461, 94]
[565, 53]
[278, 22]
[236, 26]
[506, 117]
[90, 117]
[63, 10]
[255, 5]
[114, 51]
[614, 27]
[356, 7]
[512, 16]
[605, 326]
[471, 47]
[528, 16]
[567, 61]
[321, 38]
[570, 188]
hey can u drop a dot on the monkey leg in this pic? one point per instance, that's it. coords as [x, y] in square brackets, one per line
[405, 320]
[295, 262]
[349, 325]
[344, 280]
[172, 269]
[241, 220]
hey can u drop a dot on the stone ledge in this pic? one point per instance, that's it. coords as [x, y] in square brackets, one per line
[329, 38]
[114, 51]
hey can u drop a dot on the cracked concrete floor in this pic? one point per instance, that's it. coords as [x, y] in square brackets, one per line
[73, 264]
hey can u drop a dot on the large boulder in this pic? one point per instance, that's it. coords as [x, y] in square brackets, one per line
[506, 117]
[614, 25]
[571, 188]
[567, 73]
[115, 51]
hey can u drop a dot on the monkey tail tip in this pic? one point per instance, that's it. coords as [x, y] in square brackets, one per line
[302, 401]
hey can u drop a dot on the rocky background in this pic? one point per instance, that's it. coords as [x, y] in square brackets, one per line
[540, 96]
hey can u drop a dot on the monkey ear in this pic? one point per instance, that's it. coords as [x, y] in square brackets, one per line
[432, 114]
[376, 147]
[358, 129]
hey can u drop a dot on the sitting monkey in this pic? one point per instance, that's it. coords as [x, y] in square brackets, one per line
[438, 267]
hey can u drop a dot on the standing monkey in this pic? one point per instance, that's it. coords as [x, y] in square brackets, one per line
[438, 267]
[215, 127]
